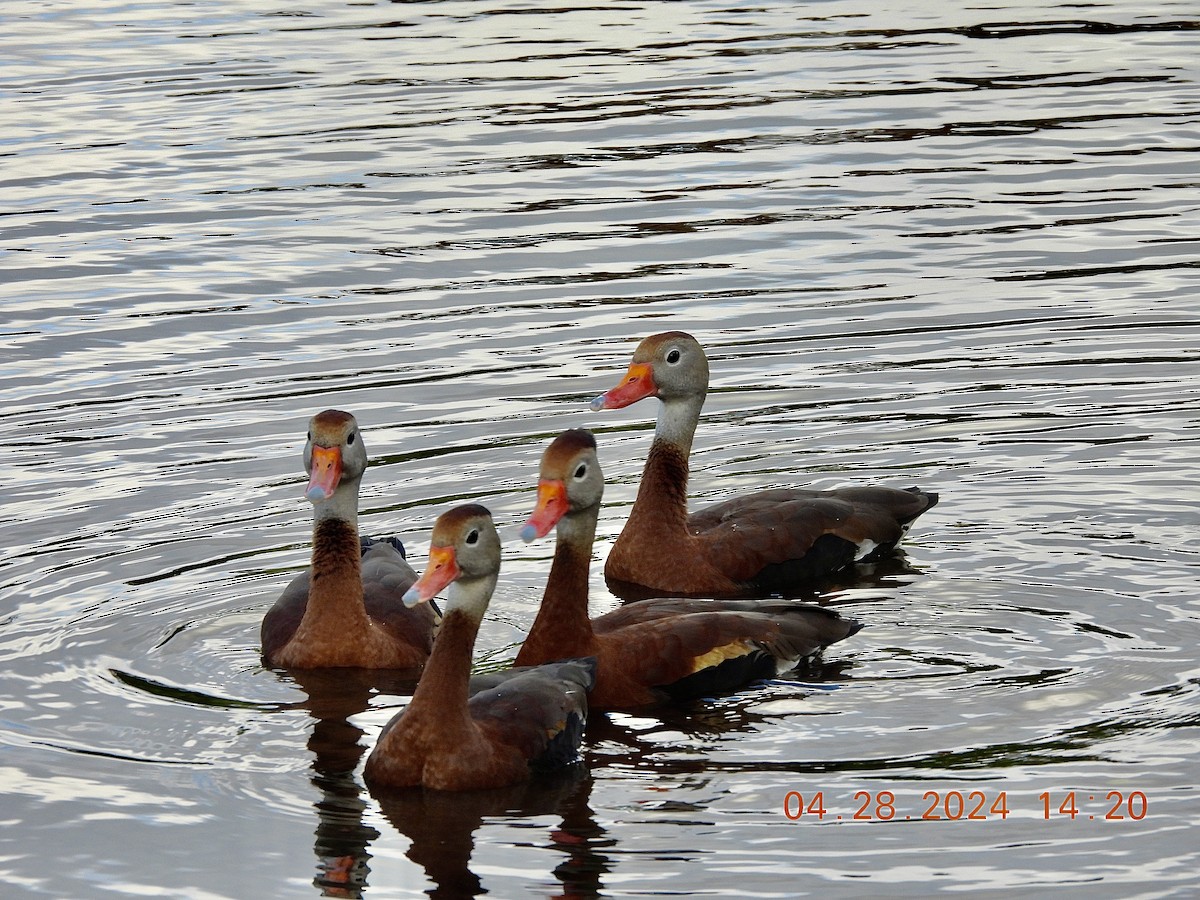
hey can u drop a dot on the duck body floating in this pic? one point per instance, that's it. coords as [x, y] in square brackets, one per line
[347, 609]
[775, 541]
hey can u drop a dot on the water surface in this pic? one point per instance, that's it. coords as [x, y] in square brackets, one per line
[947, 247]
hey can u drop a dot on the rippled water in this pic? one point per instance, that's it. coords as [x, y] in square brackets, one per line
[924, 245]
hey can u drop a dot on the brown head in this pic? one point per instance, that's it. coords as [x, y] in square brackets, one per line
[333, 453]
[464, 550]
[670, 366]
[570, 480]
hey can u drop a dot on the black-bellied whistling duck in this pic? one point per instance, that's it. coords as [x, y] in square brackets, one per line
[346, 610]
[450, 739]
[651, 650]
[767, 542]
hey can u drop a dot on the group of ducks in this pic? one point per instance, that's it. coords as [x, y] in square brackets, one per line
[697, 628]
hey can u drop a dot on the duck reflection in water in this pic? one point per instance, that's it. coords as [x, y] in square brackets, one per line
[440, 825]
[342, 837]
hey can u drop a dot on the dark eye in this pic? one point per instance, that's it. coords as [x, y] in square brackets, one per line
[310, 434]
[350, 439]
[673, 357]
[473, 537]
[581, 471]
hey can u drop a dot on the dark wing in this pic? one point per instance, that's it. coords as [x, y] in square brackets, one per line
[483, 682]
[386, 576]
[665, 607]
[282, 619]
[717, 644]
[885, 514]
[368, 542]
[788, 535]
[539, 710]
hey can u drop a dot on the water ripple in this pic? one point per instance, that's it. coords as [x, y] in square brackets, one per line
[938, 247]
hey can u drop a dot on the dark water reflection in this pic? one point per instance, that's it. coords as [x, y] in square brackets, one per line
[442, 829]
[923, 244]
[440, 826]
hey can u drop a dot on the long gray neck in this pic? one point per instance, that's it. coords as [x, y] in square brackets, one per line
[677, 420]
[342, 505]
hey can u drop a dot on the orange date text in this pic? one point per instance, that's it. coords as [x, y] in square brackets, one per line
[964, 806]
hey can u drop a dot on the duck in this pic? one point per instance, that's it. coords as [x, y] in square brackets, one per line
[654, 650]
[347, 609]
[458, 735]
[778, 541]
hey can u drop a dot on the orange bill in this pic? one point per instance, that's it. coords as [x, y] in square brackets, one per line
[552, 505]
[637, 384]
[325, 473]
[440, 571]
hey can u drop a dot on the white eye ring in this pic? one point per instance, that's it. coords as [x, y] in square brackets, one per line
[673, 356]
[473, 537]
[581, 471]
